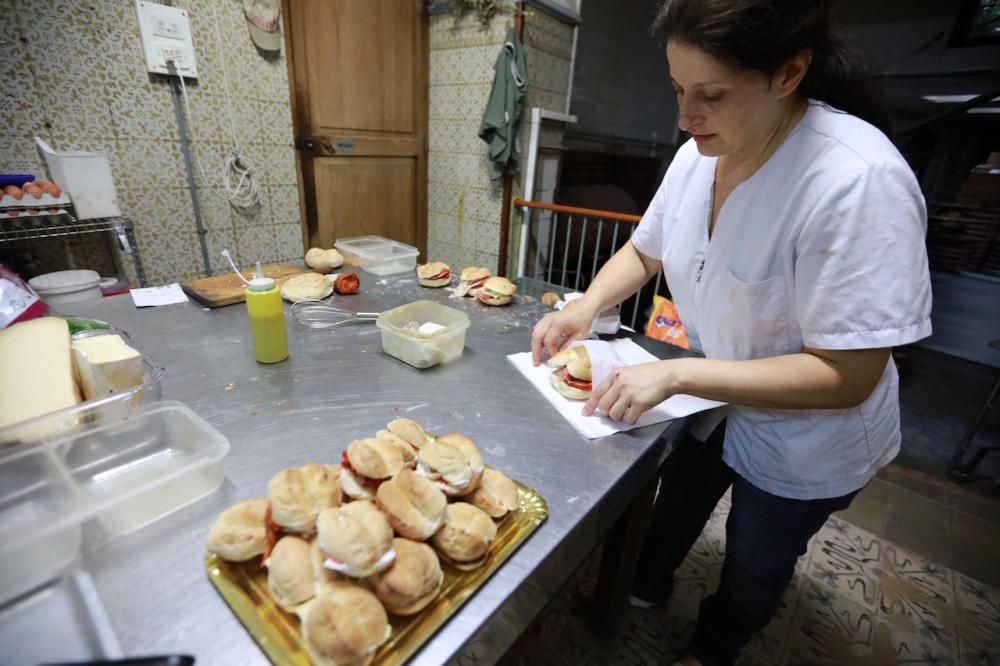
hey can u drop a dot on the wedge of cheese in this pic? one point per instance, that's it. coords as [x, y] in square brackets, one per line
[36, 373]
[105, 364]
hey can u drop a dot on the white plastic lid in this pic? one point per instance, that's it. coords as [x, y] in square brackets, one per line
[62, 282]
[261, 283]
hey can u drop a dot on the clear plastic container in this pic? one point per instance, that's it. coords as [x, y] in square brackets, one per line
[378, 255]
[124, 473]
[401, 336]
[53, 424]
[69, 613]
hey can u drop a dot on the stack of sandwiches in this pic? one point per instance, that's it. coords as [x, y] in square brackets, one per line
[346, 546]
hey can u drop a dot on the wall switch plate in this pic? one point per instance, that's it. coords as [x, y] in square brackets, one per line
[166, 36]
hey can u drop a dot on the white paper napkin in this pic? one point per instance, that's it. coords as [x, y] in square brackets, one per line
[605, 323]
[604, 357]
[153, 296]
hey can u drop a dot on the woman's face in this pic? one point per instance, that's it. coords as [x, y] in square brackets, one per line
[727, 110]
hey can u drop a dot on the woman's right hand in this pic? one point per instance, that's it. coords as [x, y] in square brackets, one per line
[557, 329]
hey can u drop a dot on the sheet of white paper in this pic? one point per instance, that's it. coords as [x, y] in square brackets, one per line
[593, 427]
[152, 296]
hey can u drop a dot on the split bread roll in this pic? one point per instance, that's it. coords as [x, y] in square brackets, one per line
[298, 494]
[324, 260]
[414, 506]
[290, 577]
[434, 274]
[412, 582]
[453, 462]
[573, 375]
[496, 494]
[344, 625]
[406, 450]
[356, 539]
[496, 291]
[306, 286]
[472, 278]
[465, 537]
[408, 431]
[369, 461]
[240, 532]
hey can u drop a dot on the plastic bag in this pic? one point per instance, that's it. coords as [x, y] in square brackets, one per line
[18, 301]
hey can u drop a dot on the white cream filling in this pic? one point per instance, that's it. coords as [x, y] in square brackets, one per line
[381, 564]
[350, 485]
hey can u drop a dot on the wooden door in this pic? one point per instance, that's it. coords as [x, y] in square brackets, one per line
[360, 81]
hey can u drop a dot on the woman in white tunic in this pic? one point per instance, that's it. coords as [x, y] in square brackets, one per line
[791, 234]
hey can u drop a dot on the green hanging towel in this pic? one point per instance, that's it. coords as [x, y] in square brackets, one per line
[503, 111]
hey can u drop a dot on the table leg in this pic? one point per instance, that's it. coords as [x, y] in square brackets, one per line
[619, 560]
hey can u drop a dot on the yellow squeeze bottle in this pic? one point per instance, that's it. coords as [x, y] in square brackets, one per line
[267, 318]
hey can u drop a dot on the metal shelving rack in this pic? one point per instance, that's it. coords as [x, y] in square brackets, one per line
[119, 230]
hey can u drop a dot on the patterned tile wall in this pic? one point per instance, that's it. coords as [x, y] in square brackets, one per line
[92, 93]
[464, 205]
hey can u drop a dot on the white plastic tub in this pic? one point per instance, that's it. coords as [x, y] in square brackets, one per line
[123, 472]
[401, 337]
[378, 255]
[67, 286]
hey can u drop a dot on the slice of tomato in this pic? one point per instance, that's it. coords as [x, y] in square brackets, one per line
[581, 384]
[442, 275]
[347, 284]
[274, 534]
[478, 283]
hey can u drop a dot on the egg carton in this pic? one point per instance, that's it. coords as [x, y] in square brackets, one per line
[28, 201]
[53, 212]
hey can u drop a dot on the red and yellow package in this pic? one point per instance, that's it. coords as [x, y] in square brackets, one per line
[665, 324]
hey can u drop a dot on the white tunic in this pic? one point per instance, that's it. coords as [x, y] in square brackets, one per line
[822, 247]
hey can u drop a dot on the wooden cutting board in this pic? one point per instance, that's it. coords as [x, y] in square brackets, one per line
[219, 290]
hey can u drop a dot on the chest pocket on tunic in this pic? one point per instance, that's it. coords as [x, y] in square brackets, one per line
[757, 316]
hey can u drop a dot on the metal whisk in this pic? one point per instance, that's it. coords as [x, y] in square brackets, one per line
[320, 314]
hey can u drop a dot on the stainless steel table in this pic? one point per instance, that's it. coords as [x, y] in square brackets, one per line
[335, 387]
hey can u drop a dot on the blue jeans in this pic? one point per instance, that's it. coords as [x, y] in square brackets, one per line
[765, 535]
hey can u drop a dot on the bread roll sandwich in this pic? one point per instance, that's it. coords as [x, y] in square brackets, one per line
[240, 532]
[406, 450]
[465, 537]
[496, 494]
[452, 462]
[412, 582]
[408, 431]
[471, 279]
[306, 286]
[413, 505]
[366, 463]
[298, 494]
[344, 625]
[356, 539]
[322, 260]
[572, 376]
[434, 274]
[496, 291]
[290, 577]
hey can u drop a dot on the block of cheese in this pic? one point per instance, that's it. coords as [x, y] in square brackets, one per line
[36, 373]
[105, 364]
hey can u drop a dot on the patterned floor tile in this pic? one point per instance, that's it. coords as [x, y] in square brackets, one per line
[855, 599]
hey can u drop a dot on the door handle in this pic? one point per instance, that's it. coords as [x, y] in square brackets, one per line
[311, 145]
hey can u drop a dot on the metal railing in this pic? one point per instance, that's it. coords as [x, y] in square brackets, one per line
[566, 246]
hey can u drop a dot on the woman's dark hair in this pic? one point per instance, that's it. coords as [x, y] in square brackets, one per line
[764, 34]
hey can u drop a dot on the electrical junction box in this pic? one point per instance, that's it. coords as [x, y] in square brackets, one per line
[166, 35]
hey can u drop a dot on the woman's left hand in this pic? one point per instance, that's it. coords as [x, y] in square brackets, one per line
[628, 392]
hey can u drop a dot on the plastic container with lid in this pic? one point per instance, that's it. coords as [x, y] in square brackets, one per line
[67, 286]
[423, 333]
[114, 405]
[122, 473]
[378, 255]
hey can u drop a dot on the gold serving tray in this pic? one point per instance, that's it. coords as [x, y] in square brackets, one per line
[243, 586]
